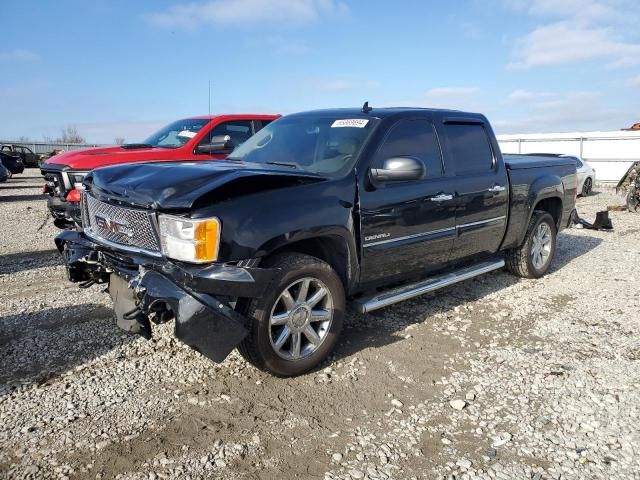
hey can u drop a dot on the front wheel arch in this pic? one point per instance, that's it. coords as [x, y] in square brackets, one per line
[332, 249]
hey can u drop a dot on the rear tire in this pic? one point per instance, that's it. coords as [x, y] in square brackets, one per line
[534, 257]
[632, 201]
[297, 324]
[587, 187]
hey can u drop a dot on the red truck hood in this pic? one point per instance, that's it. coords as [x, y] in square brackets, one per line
[89, 159]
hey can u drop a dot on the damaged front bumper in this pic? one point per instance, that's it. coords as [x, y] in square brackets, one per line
[149, 289]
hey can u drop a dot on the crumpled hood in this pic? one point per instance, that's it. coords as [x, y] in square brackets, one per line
[179, 185]
[101, 157]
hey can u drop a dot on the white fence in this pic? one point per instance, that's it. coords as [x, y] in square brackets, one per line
[46, 147]
[610, 153]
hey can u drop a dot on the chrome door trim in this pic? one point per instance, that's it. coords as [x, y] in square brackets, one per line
[409, 237]
[433, 232]
[489, 220]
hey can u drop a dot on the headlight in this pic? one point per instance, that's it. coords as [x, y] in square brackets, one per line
[75, 179]
[189, 240]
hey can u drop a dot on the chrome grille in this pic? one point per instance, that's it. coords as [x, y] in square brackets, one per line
[125, 226]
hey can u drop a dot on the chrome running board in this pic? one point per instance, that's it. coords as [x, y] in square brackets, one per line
[383, 299]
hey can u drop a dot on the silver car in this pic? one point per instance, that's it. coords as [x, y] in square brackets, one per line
[586, 177]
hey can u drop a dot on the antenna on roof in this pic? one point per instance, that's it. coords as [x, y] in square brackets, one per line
[366, 108]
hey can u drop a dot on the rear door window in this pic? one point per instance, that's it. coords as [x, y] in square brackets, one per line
[468, 144]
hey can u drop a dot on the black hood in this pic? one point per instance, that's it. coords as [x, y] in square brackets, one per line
[180, 185]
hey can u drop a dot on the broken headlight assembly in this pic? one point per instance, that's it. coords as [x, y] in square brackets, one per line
[189, 240]
[75, 179]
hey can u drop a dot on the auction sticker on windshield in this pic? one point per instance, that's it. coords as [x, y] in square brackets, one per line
[187, 133]
[350, 122]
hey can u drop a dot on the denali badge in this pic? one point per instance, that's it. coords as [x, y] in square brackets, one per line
[376, 237]
[113, 226]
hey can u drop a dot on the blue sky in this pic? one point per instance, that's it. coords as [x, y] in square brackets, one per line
[124, 68]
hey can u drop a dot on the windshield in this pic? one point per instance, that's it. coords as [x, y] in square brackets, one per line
[323, 145]
[177, 133]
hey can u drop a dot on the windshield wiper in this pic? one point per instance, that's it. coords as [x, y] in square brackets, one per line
[283, 164]
[128, 146]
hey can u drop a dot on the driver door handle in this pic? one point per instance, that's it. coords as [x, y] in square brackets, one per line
[442, 197]
[496, 189]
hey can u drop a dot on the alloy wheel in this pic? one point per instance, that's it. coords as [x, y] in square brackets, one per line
[301, 318]
[541, 246]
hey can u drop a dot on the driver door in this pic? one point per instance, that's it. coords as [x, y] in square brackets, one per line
[408, 227]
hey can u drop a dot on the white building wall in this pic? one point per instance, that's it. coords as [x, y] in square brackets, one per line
[610, 153]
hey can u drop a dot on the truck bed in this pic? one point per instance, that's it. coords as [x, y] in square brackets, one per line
[557, 179]
[518, 162]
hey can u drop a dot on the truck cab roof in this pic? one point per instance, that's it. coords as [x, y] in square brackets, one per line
[389, 112]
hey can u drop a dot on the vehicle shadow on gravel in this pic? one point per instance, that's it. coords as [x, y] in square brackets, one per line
[16, 187]
[385, 326]
[570, 247]
[36, 348]
[22, 198]
[23, 177]
[22, 261]
[594, 193]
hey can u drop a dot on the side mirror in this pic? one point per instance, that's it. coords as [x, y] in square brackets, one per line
[398, 169]
[219, 143]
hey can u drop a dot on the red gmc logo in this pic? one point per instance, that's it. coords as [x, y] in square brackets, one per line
[111, 226]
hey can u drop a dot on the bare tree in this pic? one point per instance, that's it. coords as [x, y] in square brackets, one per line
[119, 140]
[70, 134]
[23, 139]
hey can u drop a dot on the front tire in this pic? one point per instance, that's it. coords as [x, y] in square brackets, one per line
[533, 258]
[587, 187]
[297, 324]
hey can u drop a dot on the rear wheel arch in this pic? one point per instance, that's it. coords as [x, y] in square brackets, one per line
[551, 205]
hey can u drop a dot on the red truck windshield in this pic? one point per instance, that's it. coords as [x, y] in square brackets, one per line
[177, 133]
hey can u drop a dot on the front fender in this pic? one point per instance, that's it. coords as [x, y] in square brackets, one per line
[283, 240]
[337, 243]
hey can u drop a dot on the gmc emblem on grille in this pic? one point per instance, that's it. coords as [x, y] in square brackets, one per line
[112, 226]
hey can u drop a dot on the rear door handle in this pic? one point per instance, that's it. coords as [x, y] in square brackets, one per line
[442, 197]
[497, 188]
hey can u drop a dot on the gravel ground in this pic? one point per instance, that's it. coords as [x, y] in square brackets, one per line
[496, 377]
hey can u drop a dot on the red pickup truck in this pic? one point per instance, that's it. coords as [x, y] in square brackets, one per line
[197, 138]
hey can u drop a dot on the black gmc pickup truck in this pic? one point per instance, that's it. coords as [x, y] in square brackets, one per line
[263, 251]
